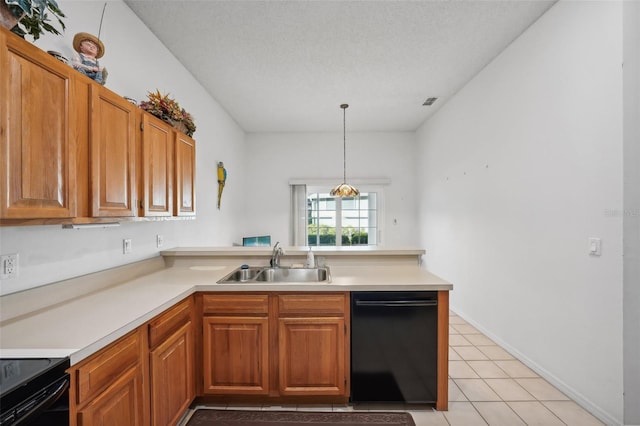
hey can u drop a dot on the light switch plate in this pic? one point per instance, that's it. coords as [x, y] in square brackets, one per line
[127, 246]
[595, 246]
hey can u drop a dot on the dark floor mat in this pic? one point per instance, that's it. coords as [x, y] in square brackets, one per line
[205, 417]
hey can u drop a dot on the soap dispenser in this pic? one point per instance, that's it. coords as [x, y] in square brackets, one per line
[311, 262]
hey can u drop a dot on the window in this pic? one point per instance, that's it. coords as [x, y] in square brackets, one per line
[354, 219]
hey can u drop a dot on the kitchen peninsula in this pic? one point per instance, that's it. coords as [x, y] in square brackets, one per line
[163, 304]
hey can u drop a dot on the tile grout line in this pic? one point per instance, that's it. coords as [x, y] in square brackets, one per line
[509, 376]
[490, 359]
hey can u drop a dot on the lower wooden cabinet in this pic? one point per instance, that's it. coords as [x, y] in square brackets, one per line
[108, 388]
[276, 344]
[235, 344]
[146, 377]
[171, 363]
[120, 404]
[313, 344]
[268, 346]
[312, 356]
[236, 350]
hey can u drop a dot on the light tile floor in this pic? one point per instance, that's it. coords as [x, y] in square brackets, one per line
[487, 386]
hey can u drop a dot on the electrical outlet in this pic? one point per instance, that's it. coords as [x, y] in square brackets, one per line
[159, 241]
[9, 265]
[126, 246]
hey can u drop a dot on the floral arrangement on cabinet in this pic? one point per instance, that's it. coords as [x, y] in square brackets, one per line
[167, 109]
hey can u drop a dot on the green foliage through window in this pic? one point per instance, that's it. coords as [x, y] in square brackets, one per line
[354, 219]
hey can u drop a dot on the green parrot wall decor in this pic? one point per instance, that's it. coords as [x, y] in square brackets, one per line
[222, 179]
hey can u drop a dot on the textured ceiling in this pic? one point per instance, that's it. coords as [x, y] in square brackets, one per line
[286, 66]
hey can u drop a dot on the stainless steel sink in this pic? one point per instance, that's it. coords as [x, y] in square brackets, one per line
[241, 275]
[293, 275]
[265, 274]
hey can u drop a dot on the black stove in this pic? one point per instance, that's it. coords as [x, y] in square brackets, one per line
[34, 391]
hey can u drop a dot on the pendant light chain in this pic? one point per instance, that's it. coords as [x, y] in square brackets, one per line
[344, 189]
[344, 141]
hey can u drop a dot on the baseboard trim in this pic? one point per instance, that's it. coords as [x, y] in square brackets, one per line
[572, 393]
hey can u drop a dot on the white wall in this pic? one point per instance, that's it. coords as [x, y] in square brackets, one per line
[514, 174]
[517, 171]
[631, 217]
[137, 63]
[271, 160]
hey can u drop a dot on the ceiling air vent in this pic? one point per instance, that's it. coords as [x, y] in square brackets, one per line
[429, 101]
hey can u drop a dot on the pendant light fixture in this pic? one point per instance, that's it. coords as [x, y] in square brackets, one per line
[344, 189]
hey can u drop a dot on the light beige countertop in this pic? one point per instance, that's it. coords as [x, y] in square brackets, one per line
[295, 255]
[79, 326]
[294, 250]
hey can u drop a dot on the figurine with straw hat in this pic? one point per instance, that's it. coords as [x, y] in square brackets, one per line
[89, 49]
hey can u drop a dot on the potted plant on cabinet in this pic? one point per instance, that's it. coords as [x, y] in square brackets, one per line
[31, 17]
[167, 109]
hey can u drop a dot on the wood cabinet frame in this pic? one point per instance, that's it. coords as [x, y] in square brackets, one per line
[171, 362]
[37, 139]
[319, 316]
[237, 350]
[442, 398]
[124, 369]
[157, 140]
[70, 149]
[112, 384]
[185, 176]
[113, 154]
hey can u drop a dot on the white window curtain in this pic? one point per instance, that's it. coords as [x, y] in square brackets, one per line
[298, 215]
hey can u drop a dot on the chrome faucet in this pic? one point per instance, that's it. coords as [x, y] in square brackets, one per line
[275, 255]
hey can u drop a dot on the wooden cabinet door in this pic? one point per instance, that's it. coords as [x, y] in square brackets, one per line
[157, 167]
[185, 190]
[236, 355]
[121, 404]
[172, 377]
[37, 145]
[312, 356]
[113, 121]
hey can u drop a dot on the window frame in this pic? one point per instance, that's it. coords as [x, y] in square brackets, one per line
[378, 189]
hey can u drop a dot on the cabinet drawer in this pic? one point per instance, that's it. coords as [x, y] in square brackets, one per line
[235, 304]
[164, 325]
[312, 304]
[121, 404]
[102, 369]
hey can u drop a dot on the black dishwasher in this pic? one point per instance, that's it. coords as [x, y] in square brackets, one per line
[394, 346]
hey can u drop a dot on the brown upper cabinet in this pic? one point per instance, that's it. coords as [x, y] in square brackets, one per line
[185, 173]
[76, 152]
[36, 133]
[156, 167]
[112, 151]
